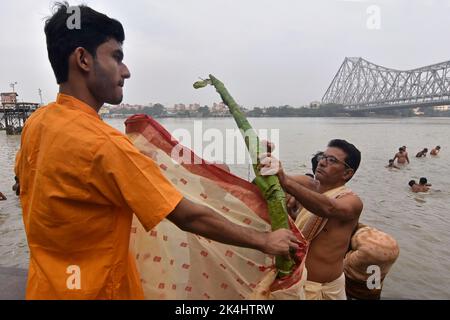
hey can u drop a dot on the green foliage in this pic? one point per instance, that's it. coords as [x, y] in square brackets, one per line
[204, 112]
[269, 186]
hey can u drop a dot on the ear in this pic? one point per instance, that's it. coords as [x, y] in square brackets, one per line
[83, 59]
[348, 174]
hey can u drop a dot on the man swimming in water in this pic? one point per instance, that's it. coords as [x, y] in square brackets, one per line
[422, 153]
[424, 182]
[435, 151]
[417, 187]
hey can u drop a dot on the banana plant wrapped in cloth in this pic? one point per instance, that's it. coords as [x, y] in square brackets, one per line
[269, 185]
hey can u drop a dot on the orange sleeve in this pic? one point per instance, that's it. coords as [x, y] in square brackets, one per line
[131, 178]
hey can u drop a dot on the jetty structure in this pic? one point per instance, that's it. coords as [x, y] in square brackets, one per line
[13, 114]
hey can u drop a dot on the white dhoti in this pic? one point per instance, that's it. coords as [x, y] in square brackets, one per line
[334, 290]
[311, 226]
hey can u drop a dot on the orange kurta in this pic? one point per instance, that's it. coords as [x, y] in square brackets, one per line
[81, 181]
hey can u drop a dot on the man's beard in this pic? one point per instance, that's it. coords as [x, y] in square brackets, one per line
[104, 88]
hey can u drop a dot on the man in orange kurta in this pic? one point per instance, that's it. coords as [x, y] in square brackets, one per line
[81, 180]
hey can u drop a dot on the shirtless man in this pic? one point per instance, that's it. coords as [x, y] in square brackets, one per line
[418, 187]
[324, 262]
[2, 197]
[401, 156]
[424, 182]
[406, 152]
[422, 153]
[435, 151]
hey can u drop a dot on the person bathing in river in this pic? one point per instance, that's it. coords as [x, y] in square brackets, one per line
[391, 165]
[422, 154]
[424, 182]
[401, 156]
[435, 151]
[416, 188]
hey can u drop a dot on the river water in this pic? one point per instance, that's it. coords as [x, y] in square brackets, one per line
[420, 223]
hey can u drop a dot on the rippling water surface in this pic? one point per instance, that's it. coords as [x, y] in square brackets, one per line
[420, 223]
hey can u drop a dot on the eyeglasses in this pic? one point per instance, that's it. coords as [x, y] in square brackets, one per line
[332, 160]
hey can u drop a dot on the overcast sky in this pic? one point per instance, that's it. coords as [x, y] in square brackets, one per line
[273, 52]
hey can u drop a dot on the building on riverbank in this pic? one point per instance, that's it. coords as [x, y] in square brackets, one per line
[13, 114]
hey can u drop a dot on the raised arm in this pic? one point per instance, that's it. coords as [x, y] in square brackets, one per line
[345, 208]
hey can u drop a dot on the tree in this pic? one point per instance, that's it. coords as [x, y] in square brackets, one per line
[158, 110]
[204, 111]
[256, 112]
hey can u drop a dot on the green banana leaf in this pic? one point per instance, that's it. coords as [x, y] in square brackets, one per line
[268, 185]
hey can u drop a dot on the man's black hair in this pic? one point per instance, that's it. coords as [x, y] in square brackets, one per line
[95, 29]
[411, 183]
[353, 158]
[315, 162]
[423, 181]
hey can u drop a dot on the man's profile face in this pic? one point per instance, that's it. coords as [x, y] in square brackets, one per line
[109, 73]
[328, 172]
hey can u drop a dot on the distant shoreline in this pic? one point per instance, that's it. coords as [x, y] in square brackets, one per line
[125, 116]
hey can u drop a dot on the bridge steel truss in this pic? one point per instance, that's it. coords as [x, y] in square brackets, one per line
[361, 85]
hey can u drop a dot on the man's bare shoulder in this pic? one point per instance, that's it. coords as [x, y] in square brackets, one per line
[352, 202]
